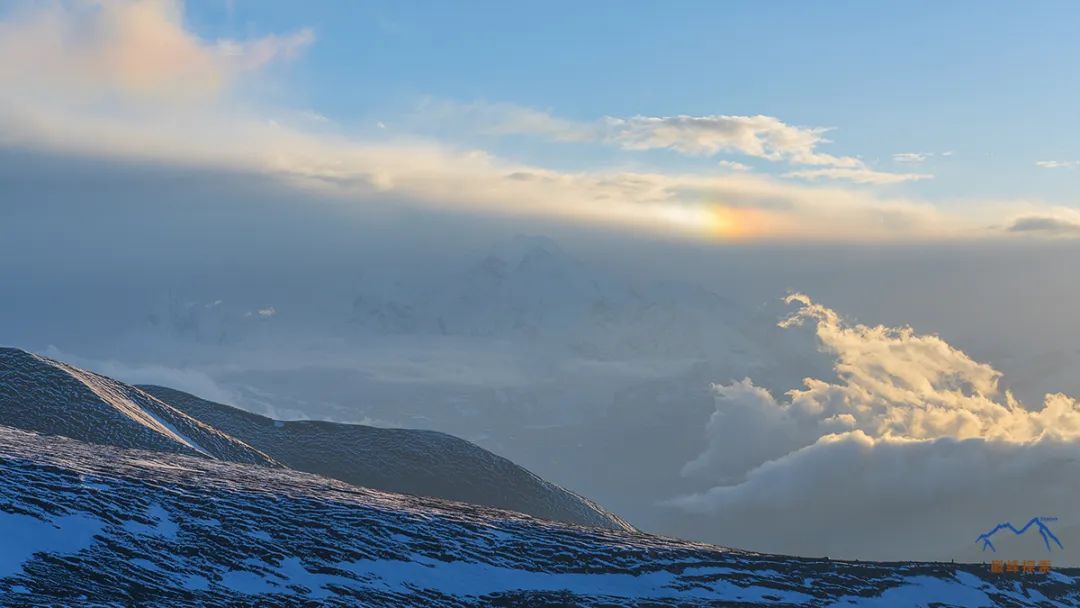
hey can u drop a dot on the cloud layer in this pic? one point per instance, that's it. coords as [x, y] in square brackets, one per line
[910, 451]
[127, 80]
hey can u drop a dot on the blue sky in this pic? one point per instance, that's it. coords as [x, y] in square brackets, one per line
[990, 81]
[824, 120]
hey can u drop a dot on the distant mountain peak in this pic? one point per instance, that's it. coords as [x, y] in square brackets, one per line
[521, 247]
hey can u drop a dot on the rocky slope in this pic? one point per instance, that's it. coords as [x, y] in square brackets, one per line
[47, 396]
[91, 525]
[424, 463]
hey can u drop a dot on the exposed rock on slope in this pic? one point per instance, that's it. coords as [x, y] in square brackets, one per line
[50, 397]
[424, 463]
[87, 525]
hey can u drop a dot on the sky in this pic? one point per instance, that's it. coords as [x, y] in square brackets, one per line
[818, 258]
[726, 121]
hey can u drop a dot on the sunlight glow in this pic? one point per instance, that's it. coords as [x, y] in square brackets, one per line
[716, 221]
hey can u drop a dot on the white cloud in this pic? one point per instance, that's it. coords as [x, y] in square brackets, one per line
[913, 437]
[1058, 164]
[918, 157]
[102, 50]
[858, 175]
[263, 313]
[733, 166]
[503, 119]
[758, 136]
[911, 157]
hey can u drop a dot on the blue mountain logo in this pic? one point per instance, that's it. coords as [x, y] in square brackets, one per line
[1037, 522]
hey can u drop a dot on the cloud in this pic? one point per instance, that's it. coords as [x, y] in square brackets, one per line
[859, 175]
[503, 119]
[1058, 164]
[758, 136]
[96, 83]
[912, 438]
[733, 166]
[911, 157]
[1047, 225]
[103, 50]
[918, 157]
[267, 312]
[1050, 222]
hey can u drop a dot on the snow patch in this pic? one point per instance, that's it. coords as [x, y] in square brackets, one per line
[923, 591]
[23, 536]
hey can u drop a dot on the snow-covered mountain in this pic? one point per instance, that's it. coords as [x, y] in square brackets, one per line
[423, 463]
[91, 525]
[532, 291]
[50, 397]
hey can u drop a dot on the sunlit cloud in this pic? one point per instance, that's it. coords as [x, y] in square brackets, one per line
[127, 80]
[115, 49]
[758, 136]
[763, 137]
[907, 434]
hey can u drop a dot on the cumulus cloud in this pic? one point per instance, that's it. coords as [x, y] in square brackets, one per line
[910, 451]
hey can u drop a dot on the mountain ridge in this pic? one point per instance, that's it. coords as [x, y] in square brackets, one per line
[43, 395]
[418, 462]
[49, 396]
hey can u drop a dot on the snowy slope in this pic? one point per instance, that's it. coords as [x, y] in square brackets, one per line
[424, 463]
[48, 396]
[95, 525]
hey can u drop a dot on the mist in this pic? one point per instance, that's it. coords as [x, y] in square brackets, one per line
[590, 355]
